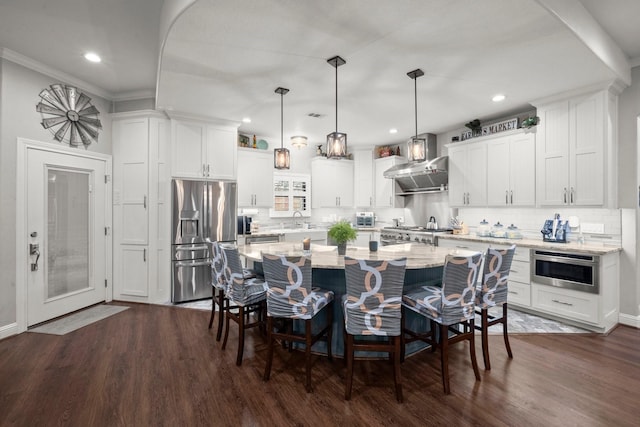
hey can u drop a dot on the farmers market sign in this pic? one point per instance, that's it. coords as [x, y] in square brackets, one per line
[503, 126]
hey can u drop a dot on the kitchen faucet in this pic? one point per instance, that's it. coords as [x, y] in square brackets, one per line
[295, 223]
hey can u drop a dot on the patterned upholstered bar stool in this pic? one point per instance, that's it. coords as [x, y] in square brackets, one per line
[493, 292]
[219, 284]
[372, 307]
[290, 297]
[248, 296]
[447, 306]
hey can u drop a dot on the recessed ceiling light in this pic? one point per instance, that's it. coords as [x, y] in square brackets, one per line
[498, 98]
[92, 57]
[393, 130]
[246, 120]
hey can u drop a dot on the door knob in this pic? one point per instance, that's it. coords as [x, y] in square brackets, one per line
[34, 249]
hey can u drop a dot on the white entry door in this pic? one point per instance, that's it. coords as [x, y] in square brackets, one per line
[66, 266]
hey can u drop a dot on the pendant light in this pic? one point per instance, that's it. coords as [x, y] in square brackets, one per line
[416, 147]
[281, 156]
[336, 141]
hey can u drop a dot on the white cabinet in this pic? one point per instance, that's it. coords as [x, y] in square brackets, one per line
[331, 183]
[255, 178]
[467, 174]
[575, 140]
[511, 173]
[141, 186]
[385, 188]
[291, 194]
[364, 236]
[203, 150]
[363, 182]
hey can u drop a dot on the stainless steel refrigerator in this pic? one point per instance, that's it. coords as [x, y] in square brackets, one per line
[203, 212]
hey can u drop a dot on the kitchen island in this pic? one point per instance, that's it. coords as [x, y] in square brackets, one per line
[424, 267]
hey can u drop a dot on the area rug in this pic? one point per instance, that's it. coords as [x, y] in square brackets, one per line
[78, 320]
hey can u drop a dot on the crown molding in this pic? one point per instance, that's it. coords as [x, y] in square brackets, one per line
[41, 68]
[134, 95]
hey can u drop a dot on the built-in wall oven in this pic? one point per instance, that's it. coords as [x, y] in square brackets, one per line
[566, 270]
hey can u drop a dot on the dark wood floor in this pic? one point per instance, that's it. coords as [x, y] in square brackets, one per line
[160, 366]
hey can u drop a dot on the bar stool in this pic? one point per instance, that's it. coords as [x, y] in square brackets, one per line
[247, 296]
[447, 306]
[372, 307]
[493, 292]
[290, 297]
[219, 283]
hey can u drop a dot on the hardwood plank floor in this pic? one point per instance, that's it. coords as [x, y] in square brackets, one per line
[160, 366]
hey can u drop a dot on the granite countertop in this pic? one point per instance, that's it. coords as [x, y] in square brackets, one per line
[586, 248]
[418, 255]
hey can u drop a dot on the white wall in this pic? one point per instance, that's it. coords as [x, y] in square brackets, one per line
[19, 89]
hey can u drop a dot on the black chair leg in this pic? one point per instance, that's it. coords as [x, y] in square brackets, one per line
[213, 305]
[504, 329]
[444, 357]
[242, 314]
[472, 349]
[484, 320]
[307, 354]
[397, 379]
[348, 354]
[221, 312]
[330, 330]
[270, 343]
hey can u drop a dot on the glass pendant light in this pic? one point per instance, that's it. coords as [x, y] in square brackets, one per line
[336, 141]
[281, 156]
[416, 147]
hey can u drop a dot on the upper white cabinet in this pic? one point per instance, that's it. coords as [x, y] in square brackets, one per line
[255, 178]
[202, 149]
[363, 178]
[467, 174]
[331, 183]
[511, 173]
[141, 262]
[385, 188]
[575, 144]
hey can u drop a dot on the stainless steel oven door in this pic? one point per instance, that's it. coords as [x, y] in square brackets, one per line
[566, 270]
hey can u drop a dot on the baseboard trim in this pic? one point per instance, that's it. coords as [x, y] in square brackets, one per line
[629, 320]
[8, 330]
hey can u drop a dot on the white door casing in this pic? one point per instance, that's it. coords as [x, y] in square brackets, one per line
[70, 221]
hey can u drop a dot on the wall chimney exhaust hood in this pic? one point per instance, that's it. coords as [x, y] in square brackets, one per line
[427, 176]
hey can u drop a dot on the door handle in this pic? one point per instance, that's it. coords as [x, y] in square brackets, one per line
[34, 249]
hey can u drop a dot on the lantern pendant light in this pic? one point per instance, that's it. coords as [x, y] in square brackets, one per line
[336, 141]
[281, 156]
[416, 147]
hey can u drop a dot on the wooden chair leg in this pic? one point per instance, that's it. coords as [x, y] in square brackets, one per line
[227, 313]
[213, 305]
[270, 344]
[307, 354]
[222, 307]
[242, 314]
[402, 327]
[504, 329]
[472, 349]
[330, 331]
[397, 379]
[484, 320]
[349, 357]
[434, 339]
[444, 357]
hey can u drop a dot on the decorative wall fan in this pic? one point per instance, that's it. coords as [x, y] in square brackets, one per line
[69, 115]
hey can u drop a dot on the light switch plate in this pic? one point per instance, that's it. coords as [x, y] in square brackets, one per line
[592, 227]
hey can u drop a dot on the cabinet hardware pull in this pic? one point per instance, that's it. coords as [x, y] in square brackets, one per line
[564, 196]
[144, 202]
[204, 170]
[571, 195]
[144, 255]
[506, 197]
[511, 194]
[371, 198]
[513, 292]
[562, 302]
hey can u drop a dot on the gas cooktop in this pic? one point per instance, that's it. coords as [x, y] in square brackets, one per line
[419, 228]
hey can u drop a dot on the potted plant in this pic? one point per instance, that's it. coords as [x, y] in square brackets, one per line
[341, 232]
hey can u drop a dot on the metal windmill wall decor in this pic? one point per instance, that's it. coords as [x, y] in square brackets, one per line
[68, 114]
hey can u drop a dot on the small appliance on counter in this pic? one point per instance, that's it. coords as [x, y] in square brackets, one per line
[555, 230]
[365, 219]
[244, 225]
